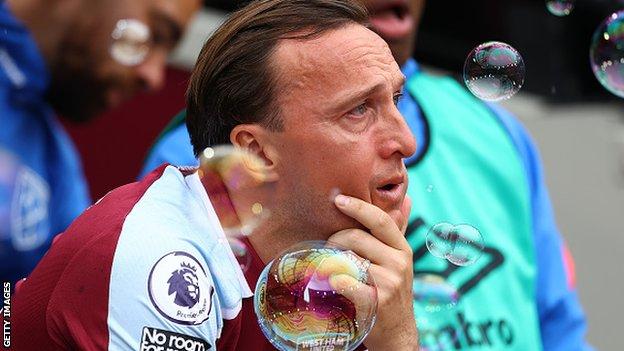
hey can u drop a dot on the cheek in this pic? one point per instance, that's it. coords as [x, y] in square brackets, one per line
[326, 164]
[353, 178]
[108, 67]
[347, 173]
[111, 73]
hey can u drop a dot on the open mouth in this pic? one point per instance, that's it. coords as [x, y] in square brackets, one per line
[391, 192]
[400, 11]
[388, 187]
[392, 20]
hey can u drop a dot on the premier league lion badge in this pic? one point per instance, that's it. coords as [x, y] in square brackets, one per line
[181, 289]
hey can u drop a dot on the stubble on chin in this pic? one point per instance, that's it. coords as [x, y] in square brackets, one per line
[76, 92]
[312, 217]
[75, 95]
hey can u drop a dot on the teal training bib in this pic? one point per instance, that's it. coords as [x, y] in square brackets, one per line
[472, 174]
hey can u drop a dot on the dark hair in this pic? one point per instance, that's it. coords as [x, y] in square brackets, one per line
[233, 81]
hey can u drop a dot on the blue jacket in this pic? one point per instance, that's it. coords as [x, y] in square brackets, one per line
[42, 186]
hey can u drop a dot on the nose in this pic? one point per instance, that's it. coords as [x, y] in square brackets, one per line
[151, 72]
[399, 138]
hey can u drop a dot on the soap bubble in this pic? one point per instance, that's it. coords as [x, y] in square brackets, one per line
[239, 193]
[436, 301]
[236, 183]
[434, 292]
[437, 239]
[494, 71]
[241, 252]
[467, 245]
[460, 244]
[316, 296]
[130, 42]
[606, 53]
[560, 7]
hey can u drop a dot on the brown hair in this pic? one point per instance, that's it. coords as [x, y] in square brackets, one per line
[233, 82]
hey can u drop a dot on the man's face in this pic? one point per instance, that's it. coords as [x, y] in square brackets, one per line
[396, 21]
[86, 80]
[342, 130]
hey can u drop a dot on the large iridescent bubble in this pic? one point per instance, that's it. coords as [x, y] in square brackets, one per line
[606, 53]
[316, 296]
[494, 71]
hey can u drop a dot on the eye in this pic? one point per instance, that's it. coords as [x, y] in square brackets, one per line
[397, 97]
[358, 119]
[359, 111]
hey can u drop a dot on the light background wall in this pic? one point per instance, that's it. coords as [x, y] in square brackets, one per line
[582, 148]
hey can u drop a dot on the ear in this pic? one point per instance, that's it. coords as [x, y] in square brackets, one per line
[257, 140]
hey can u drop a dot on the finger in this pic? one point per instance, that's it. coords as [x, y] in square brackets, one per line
[406, 207]
[364, 245]
[361, 295]
[401, 217]
[381, 225]
[385, 280]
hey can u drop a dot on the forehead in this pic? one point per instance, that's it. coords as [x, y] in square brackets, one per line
[179, 11]
[337, 60]
[376, 3]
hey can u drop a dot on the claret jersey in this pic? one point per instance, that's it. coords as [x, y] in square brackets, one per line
[145, 268]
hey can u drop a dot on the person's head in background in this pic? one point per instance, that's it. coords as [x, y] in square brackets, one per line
[75, 38]
[308, 87]
[396, 21]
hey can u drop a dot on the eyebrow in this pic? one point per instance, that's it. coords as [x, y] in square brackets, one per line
[165, 30]
[361, 94]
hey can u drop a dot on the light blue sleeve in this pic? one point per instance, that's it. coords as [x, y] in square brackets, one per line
[174, 148]
[562, 321]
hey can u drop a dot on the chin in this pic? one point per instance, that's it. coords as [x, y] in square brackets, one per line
[78, 105]
[342, 222]
[78, 114]
[394, 211]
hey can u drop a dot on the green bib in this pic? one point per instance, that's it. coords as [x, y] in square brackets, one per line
[471, 173]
